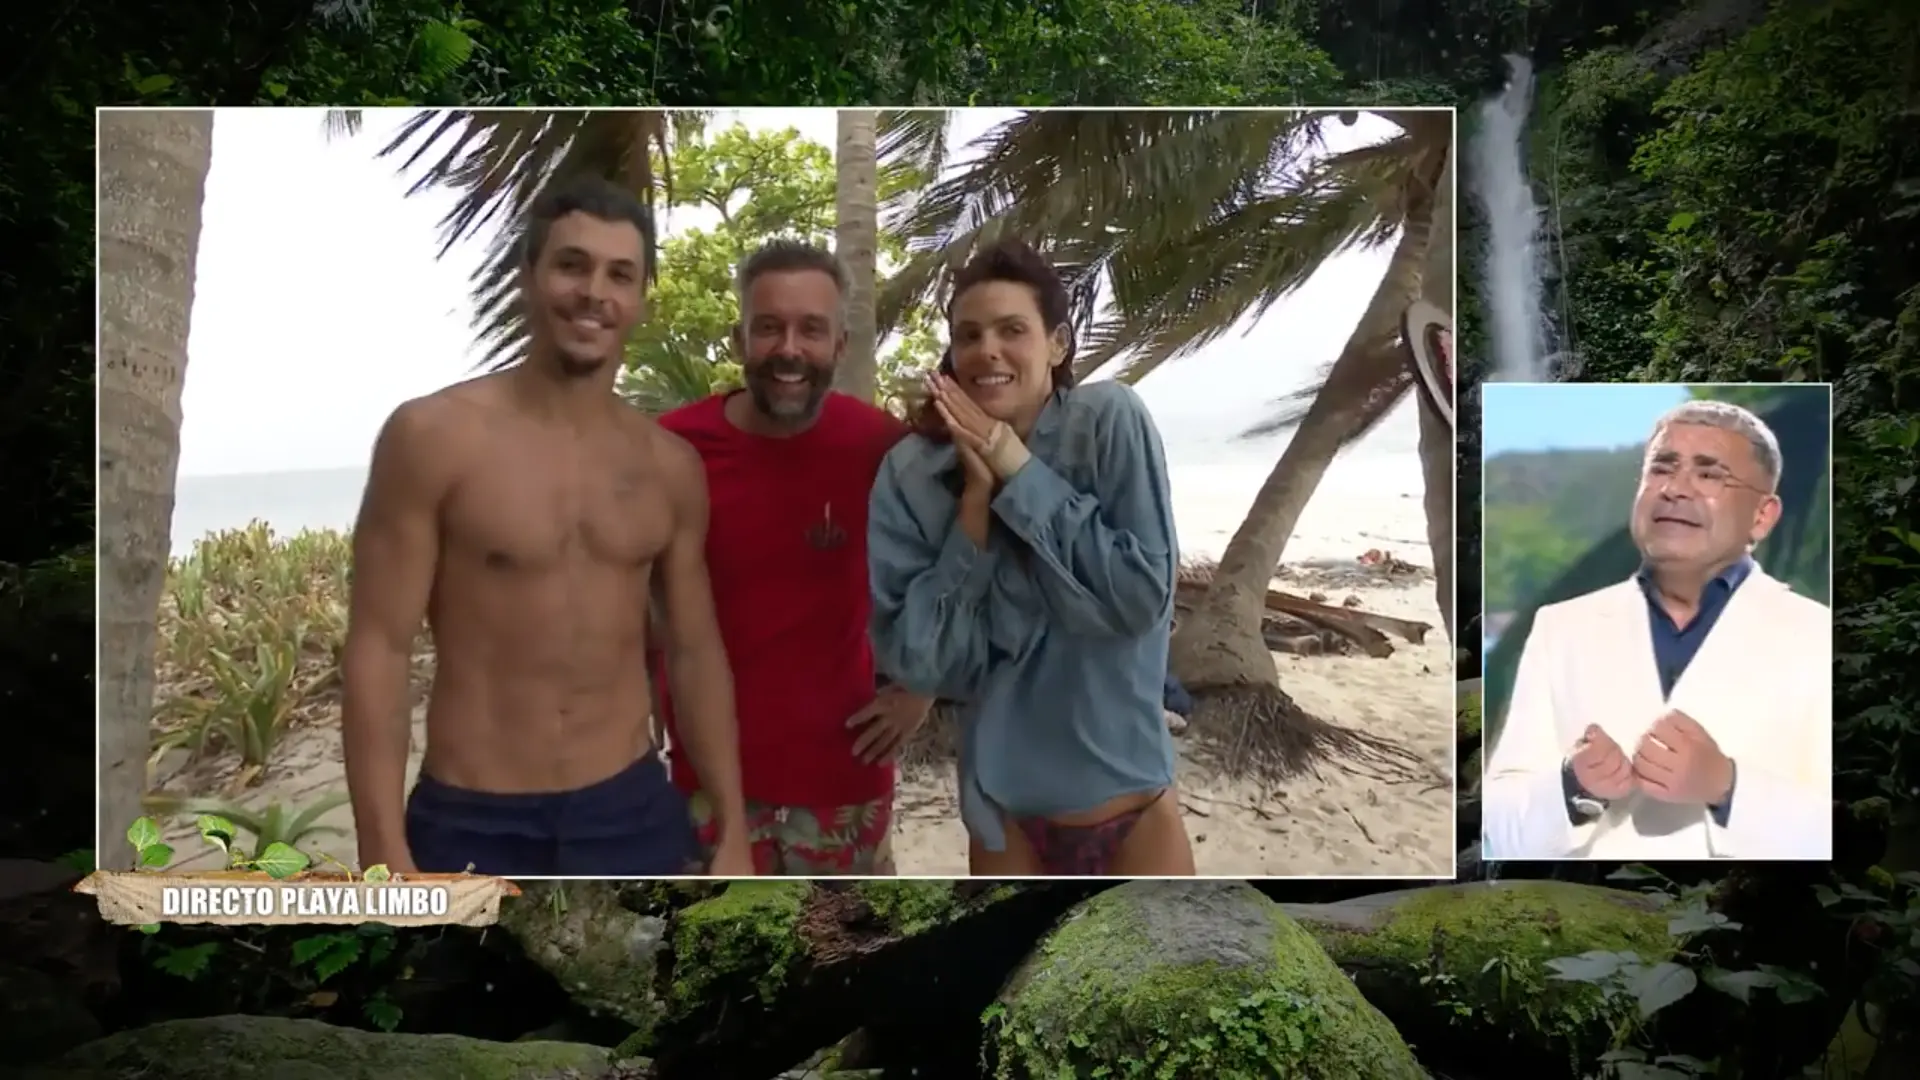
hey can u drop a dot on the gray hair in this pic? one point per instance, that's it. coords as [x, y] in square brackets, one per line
[780, 256]
[1729, 417]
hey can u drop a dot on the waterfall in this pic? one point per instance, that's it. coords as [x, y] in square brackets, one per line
[1518, 331]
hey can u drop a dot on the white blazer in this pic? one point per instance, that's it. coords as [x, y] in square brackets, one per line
[1761, 685]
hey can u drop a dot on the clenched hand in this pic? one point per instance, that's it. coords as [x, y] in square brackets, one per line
[1678, 762]
[1601, 767]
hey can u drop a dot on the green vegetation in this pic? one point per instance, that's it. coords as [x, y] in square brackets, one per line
[1485, 958]
[770, 184]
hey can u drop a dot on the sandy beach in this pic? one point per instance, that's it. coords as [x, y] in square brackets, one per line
[1334, 823]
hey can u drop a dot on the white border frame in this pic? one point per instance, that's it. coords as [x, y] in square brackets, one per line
[1453, 684]
[1486, 744]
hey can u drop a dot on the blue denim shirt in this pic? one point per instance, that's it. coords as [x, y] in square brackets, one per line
[1053, 638]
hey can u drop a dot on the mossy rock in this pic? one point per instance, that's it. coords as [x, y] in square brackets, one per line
[585, 934]
[1190, 978]
[750, 929]
[769, 970]
[1467, 711]
[906, 908]
[1470, 960]
[272, 1048]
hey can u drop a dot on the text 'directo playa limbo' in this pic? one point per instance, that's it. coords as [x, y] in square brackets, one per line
[276, 886]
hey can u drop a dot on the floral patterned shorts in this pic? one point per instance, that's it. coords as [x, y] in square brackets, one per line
[811, 841]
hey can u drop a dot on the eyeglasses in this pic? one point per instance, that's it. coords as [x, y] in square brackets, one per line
[1703, 478]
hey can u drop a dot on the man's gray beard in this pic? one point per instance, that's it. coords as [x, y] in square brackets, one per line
[763, 401]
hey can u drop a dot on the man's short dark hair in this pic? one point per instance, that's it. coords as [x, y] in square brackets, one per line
[595, 197]
[786, 256]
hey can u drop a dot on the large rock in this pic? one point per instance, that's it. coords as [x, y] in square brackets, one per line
[767, 972]
[1466, 964]
[270, 1048]
[602, 941]
[653, 951]
[1189, 978]
[38, 1018]
[62, 968]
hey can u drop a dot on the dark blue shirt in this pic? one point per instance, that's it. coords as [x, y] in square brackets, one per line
[1674, 647]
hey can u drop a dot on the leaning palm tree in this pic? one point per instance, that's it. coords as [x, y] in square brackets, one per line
[1194, 220]
[153, 179]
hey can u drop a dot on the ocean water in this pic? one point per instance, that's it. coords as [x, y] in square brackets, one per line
[286, 501]
[1221, 467]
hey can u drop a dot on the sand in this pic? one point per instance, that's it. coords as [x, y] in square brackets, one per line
[1330, 824]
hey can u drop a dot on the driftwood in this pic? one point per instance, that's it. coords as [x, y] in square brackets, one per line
[1307, 626]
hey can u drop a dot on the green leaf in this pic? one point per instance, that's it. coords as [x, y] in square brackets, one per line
[1792, 987]
[189, 962]
[1588, 967]
[1738, 985]
[281, 861]
[143, 833]
[1661, 985]
[152, 84]
[1635, 872]
[156, 855]
[308, 949]
[1681, 221]
[216, 830]
[276, 90]
[344, 950]
[1699, 921]
[382, 1013]
[377, 872]
[148, 928]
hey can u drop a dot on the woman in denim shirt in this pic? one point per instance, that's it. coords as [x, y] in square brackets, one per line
[1023, 556]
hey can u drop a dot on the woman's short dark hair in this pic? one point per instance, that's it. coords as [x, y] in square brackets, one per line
[1015, 261]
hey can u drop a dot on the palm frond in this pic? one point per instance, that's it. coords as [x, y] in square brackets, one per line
[1173, 301]
[500, 160]
[1076, 183]
[342, 123]
[664, 379]
[1194, 219]
[1378, 375]
[913, 144]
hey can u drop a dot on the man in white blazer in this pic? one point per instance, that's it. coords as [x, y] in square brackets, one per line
[1686, 713]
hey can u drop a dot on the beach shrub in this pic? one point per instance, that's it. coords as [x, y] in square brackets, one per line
[251, 628]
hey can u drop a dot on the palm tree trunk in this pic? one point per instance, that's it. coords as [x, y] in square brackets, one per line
[153, 177]
[1220, 644]
[856, 239]
[1436, 438]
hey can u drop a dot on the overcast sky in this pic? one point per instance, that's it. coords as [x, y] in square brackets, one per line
[320, 304]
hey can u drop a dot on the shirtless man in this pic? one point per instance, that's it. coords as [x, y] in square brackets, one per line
[522, 514]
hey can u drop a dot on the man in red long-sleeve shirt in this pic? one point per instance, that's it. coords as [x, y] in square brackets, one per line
[790, 465]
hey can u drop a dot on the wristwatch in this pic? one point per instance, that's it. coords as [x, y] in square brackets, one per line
[1582, 807]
